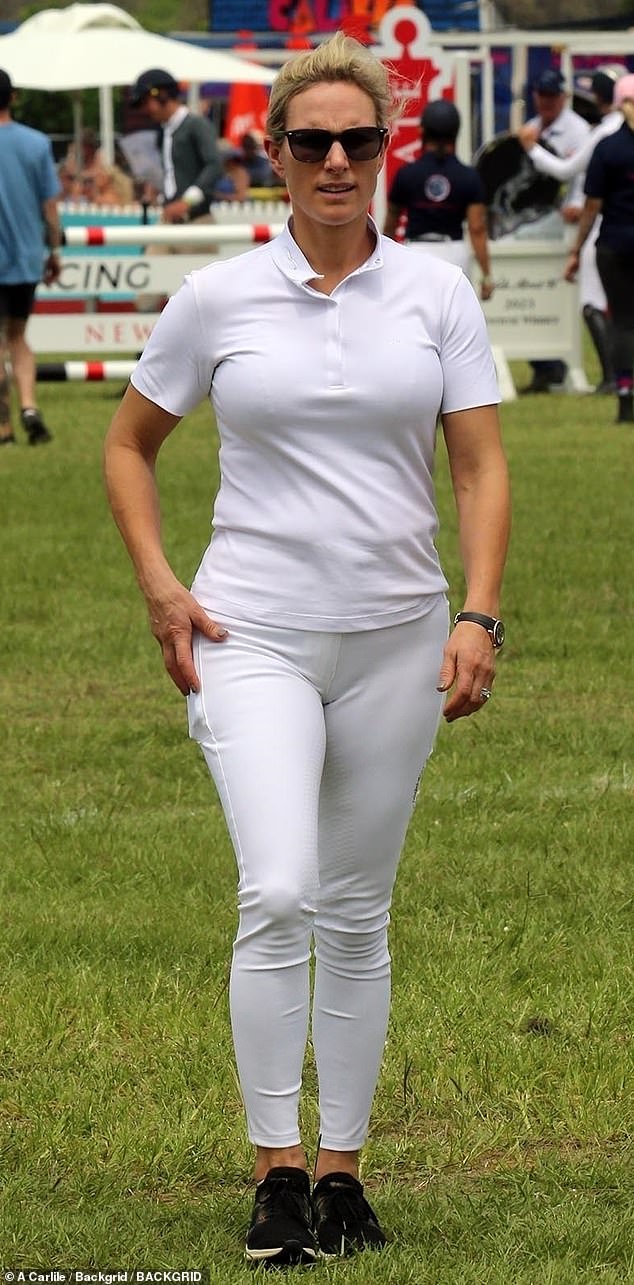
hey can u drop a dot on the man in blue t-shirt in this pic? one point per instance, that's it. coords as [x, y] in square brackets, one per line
[29, 223]
[438, 194]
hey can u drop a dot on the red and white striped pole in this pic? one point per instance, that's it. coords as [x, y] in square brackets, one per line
[83, 371]
[182, 234]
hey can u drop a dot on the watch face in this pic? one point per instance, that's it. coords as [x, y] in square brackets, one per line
[498, 633]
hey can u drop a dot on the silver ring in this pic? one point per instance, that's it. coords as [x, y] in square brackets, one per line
[485, 695]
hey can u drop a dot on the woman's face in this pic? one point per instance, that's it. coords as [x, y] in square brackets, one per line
[334, 191]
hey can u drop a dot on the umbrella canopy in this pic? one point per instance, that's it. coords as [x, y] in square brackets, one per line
[78, 17]
[93, 46]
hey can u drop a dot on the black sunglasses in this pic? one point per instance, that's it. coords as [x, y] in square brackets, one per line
[361, 143]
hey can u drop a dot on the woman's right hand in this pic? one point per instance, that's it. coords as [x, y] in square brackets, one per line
[174, 615]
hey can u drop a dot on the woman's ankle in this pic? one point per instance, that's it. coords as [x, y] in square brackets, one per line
[336, 1162]
[276, 1157]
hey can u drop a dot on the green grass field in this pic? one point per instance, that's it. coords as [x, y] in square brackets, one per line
[501, 1147]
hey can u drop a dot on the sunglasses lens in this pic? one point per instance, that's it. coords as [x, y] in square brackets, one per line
[363, 143]
[309, 144]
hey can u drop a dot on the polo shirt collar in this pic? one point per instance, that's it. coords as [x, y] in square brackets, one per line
[293, 262]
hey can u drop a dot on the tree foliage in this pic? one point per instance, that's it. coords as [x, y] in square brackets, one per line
[554, 13]
[156, 15]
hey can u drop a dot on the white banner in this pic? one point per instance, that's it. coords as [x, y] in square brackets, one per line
[533, 312]
[126, 275]
[116, 332]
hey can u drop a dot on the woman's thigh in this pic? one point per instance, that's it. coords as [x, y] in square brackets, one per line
[380, 730]
[259, 720]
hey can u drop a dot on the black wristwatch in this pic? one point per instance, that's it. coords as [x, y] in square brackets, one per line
[494, 628]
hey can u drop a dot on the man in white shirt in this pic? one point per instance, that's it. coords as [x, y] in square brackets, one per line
[564, 131]
[593, 301]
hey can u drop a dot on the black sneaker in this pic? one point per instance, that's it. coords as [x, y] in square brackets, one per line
[281, 1231]
[35, 428]
[344, 1221]
[7, 440]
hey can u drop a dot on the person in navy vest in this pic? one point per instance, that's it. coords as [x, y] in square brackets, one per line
[609, 192]
[438, 193]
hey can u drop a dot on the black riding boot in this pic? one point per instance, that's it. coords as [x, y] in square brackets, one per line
[600, 335]
[625, 412]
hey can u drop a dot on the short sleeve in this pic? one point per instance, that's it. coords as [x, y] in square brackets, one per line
[398, 194]
[465, 353]
[176, 366]
[49, 178]
[476, 195]
[595, 176]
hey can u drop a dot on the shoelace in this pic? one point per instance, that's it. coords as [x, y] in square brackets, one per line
[349, 1206]
[279, 1194]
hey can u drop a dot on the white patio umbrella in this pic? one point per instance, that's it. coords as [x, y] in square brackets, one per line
[99, 46]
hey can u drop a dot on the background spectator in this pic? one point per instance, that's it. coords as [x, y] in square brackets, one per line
[29, 222]
[610, 193]
[438, 193]
[256, 161]
[234, 182]
[564, 131]
[592, 294]
[191, 161]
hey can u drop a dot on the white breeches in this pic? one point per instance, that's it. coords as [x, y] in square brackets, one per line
[316, 742]
[458, 252]
[590, 289]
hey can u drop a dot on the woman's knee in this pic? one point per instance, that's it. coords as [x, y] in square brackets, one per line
[354, 951]
[277, 904]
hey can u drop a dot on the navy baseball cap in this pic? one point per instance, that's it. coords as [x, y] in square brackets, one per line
[441, 119]
[155, 78]
[550, 82]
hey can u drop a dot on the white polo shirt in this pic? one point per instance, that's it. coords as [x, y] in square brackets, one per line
[327, 409]
[578, 161]
[566, 134]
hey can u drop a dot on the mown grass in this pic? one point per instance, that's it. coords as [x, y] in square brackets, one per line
[501, 1142]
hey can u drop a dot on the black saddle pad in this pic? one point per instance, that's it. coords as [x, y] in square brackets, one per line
[515, 192]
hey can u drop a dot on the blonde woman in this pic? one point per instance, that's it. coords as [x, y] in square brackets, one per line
[313, 645]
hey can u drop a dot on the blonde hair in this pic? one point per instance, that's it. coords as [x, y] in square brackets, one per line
[339, 58]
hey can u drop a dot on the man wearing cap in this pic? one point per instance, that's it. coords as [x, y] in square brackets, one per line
[191, 163]
[564, 131]
[30, 236]
[437, 193]
[593, 300]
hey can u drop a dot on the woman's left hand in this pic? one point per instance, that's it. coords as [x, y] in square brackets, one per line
[469, 667]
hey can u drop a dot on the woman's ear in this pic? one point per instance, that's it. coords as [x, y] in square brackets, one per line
[273, 151]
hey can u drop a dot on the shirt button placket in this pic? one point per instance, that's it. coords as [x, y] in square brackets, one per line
[334, 345]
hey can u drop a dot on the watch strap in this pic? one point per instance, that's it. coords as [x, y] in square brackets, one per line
[492, 625]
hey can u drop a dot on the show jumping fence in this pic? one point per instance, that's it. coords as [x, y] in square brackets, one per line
[116, 277]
